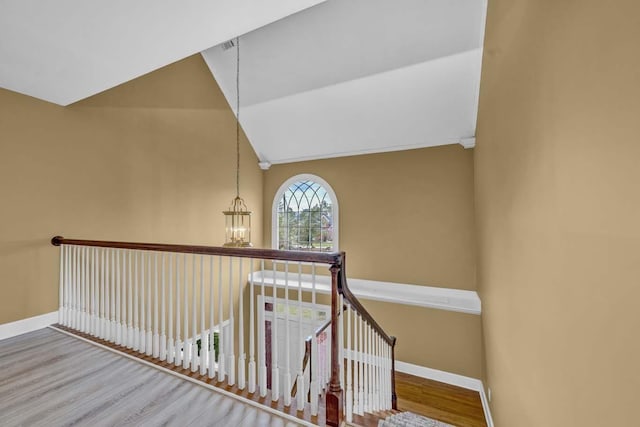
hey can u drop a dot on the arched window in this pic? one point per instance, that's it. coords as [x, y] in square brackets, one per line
[305, 215]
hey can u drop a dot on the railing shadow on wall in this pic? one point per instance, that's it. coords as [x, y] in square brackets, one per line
[185, 305]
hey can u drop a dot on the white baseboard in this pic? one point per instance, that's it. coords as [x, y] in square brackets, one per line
[449, 378]
[19, 327]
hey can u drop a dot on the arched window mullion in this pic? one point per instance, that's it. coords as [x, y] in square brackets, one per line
[311, 196]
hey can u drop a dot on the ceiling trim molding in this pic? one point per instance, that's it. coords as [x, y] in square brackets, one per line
[379, 150]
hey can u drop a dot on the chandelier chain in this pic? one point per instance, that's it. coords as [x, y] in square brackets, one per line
[237, 116]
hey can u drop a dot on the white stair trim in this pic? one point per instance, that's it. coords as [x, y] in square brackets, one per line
[19, 327]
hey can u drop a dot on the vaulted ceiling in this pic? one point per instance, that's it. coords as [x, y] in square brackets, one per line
[318, 78]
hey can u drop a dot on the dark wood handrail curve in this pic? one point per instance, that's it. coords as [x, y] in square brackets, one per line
[333, 258]
[344, 290]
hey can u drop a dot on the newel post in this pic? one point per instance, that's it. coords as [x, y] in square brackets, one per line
[334, 404]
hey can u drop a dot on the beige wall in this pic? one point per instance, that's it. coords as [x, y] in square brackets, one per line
[557, 167]
[406, 217]
[151, 160]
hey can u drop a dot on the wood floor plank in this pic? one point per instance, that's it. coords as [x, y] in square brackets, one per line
[50, 379]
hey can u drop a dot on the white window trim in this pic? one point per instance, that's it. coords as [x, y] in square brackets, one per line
[334, 204]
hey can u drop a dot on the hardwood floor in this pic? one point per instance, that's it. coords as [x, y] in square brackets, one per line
[454, 405]
[50, 379]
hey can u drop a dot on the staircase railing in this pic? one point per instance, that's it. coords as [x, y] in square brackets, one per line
[185, 305]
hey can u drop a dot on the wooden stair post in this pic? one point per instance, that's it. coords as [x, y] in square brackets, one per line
[334, 403]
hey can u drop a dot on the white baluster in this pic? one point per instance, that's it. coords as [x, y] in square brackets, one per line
[88, 289]
[314, 383]
[136, 303]
[378, 375]
[252, 343]
[356, 363]
[194, 324]
[61, 285]
[376, 378]
[370, 368]
[275, 370]
[241, 354]
[122, 280]
[156, 297]
[83, 289]
[143, 306]
[231, 362]
[149, 334]
[163, 319]
[94, 292]
[123, 300]
[210, 340]
[105, 294]
[204, 341]
[287, 339]
[114, 281]
[221, 353]
[65, 313]
[118, 276]
[361, 366]
[186, 345]
[300, 395]
[171, 350]
[349, 354]
[101, 328]
[79, 290]
[262, 358]
[129, 271]
[179, 343]
[91, 290]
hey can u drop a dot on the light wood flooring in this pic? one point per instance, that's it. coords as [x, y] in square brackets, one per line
[50, 379]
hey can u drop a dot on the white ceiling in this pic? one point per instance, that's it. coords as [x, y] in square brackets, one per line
[358, 76]
[340, 78]
[66, 50]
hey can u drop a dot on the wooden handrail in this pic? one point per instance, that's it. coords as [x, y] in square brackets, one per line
[343, 289]
[333, 258]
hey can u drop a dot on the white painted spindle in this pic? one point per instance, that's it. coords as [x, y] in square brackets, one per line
[287, 339]
[204, 342]
[252, 338]
[194, 313]
[231, 362]
[221, 335]
[143, 306]
[241, 354]
[349, 353]
[314, 373]
[262, 358]
[210, 348]
[163, 318]
[156, 296]
[301, 392]
[179, 343]
[186, 346]
[275, 371]
[171, 348]
[149, 335]
[136, 302]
